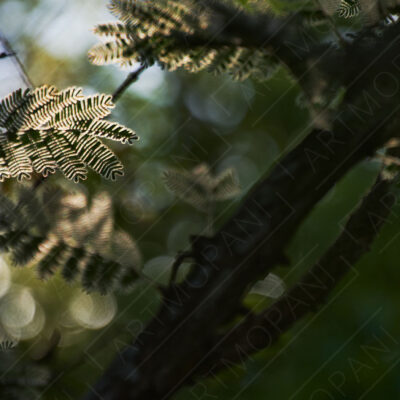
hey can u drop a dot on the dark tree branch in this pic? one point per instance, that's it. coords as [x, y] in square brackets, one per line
[260, 331]
[166, 356]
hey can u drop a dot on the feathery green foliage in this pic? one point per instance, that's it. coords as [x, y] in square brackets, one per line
[349, 8]
[187, 34]
[371, 11]
[200, 188]
[176, 34]
[63, 231]
[43, 129]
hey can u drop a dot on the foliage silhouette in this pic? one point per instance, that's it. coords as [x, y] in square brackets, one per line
[63, 231]
[200, 188]
[176, 35]
[45, 129]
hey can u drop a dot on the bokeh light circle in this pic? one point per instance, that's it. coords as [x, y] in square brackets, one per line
[93, 311]
[17, 307]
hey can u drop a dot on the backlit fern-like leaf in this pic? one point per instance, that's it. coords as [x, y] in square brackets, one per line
[176, 35]
[62, 232]
[349, 8]
[200, 188]
[44, 129]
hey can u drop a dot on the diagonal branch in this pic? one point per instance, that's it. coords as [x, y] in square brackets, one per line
[257, 332]
[164, 356]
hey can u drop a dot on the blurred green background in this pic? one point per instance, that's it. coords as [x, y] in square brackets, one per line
[348, 349]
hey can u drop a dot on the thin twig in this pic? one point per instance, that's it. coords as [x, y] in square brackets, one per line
[11, 53]
[132, 77]
[5, 55]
